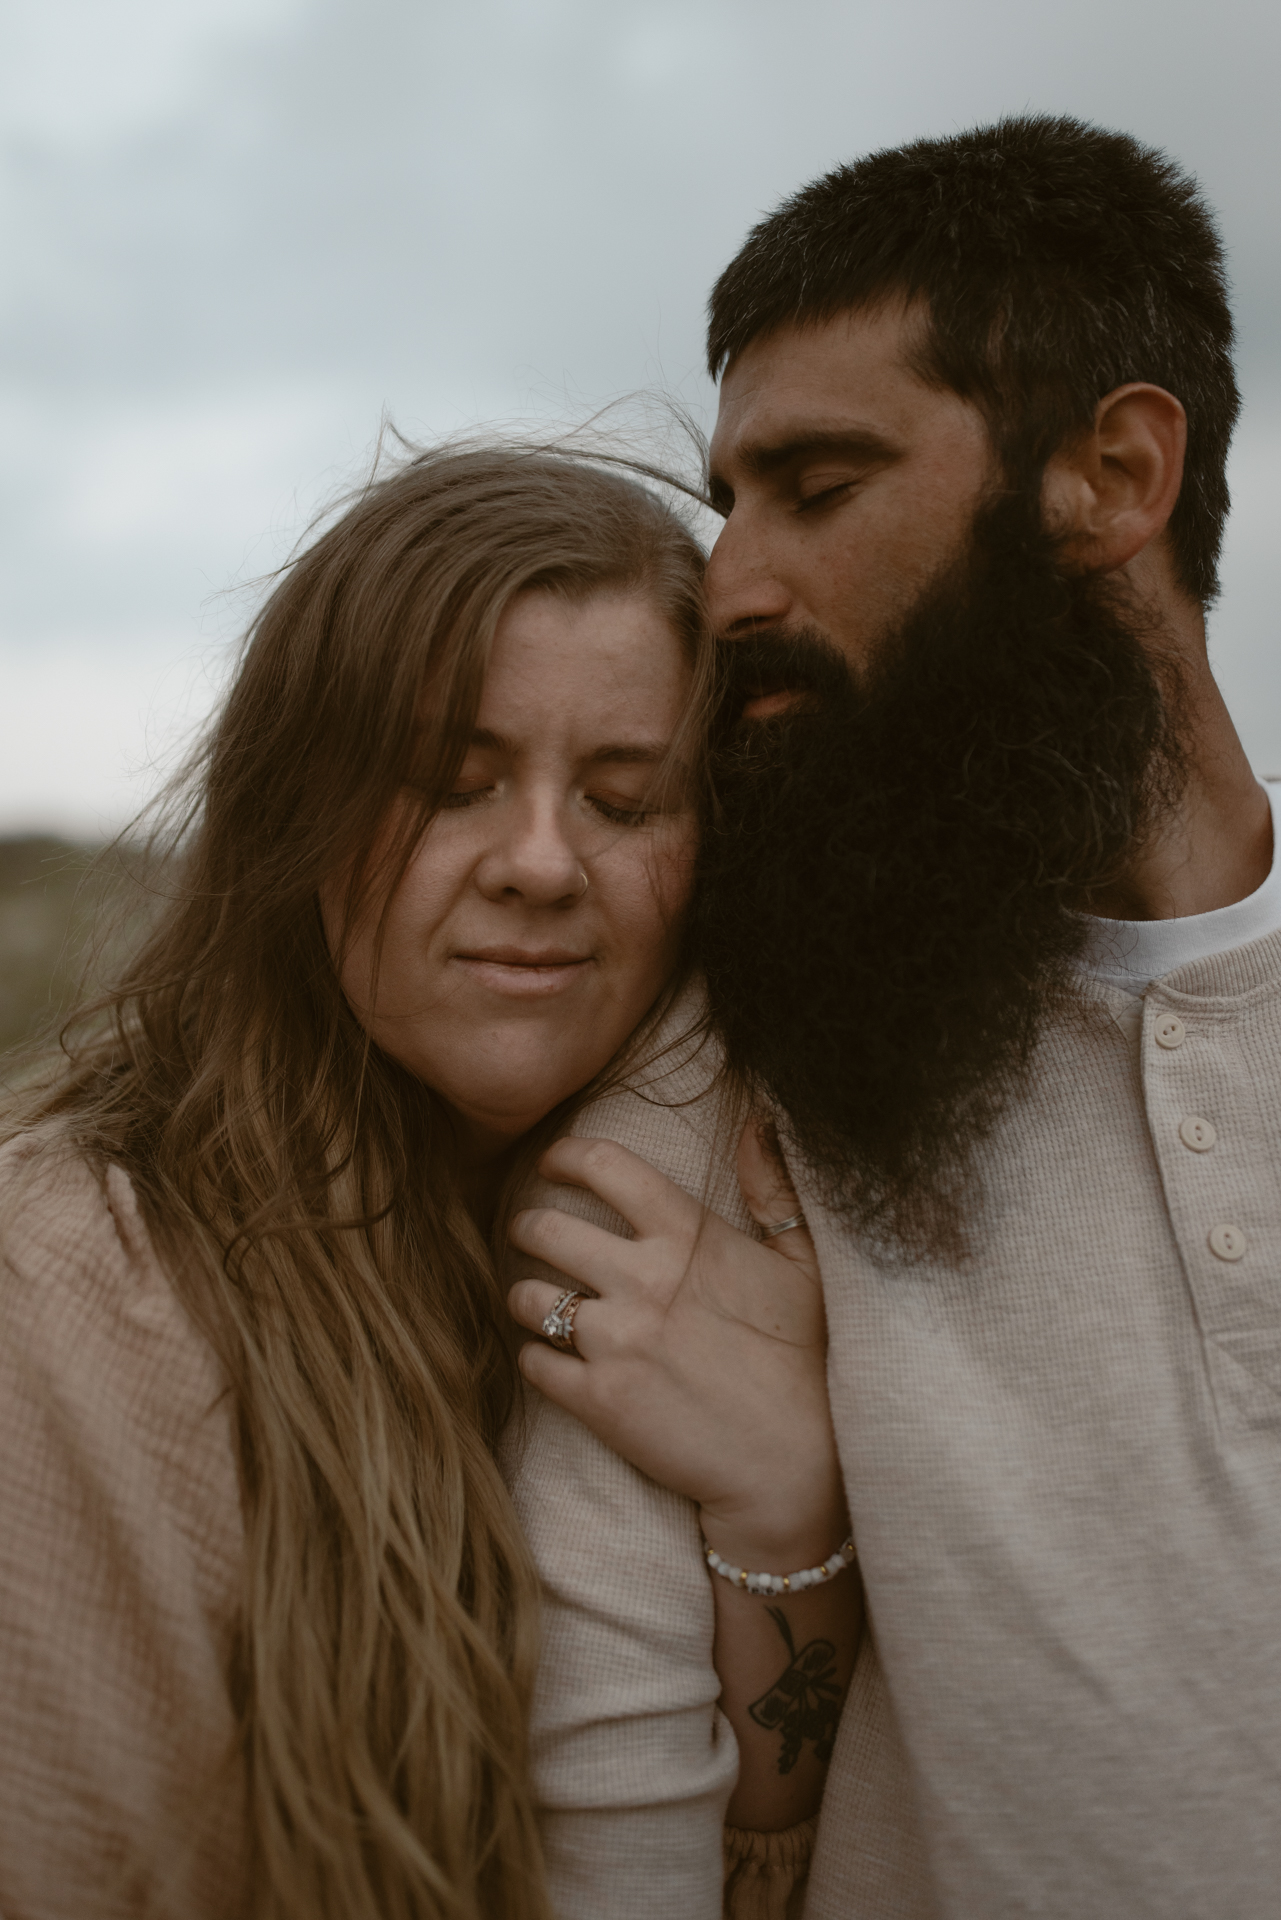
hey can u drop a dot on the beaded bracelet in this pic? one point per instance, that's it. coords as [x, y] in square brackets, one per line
[782, 1582]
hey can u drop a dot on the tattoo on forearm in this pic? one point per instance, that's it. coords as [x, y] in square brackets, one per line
[804, 1703]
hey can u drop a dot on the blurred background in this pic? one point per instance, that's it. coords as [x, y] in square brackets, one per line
[238, 234]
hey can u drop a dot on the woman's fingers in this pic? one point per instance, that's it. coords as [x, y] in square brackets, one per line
[589, 1256]
[648, 1201]
[768, 1191]
[558, 1375]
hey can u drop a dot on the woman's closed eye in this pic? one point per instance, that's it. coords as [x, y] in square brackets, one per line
[618, 814]
[466, 797]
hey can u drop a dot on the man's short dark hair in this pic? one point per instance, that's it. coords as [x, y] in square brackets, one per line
[1056, 261]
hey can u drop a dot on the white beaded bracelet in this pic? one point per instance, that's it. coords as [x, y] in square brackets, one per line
[782, 1582]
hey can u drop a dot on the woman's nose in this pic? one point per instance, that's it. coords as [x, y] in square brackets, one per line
[532, 857]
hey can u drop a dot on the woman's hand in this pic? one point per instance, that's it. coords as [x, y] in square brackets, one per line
[703, 1358]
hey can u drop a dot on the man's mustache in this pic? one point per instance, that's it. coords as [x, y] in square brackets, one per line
[771, 672]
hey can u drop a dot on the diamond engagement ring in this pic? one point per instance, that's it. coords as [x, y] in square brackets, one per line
[559, 1324]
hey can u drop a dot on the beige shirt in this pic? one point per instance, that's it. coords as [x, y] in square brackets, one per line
[121, 1549]
[1064, 1470]
[120, 1543]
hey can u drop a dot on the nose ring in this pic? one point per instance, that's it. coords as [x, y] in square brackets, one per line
[586, 882]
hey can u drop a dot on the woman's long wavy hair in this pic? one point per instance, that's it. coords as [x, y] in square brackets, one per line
[304, 1191]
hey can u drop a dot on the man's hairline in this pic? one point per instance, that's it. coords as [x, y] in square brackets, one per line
[872, 304]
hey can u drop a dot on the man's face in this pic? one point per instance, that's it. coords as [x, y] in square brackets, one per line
[892, 879]
[848, 480]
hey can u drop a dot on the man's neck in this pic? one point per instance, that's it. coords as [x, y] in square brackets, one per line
[1216, 847]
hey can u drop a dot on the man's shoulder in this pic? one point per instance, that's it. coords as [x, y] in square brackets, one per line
[674, 1102]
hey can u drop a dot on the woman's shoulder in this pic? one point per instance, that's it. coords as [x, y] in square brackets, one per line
[87, 1310]
[56, 1215]
[71, 1224]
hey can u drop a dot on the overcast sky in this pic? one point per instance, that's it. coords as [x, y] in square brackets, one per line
[239, 232]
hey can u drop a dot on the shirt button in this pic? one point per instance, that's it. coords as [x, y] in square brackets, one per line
[1169, 1030]
[1227, 1242]
[1197, 1133]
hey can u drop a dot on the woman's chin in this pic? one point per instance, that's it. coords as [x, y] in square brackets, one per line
[490, 1131]
[499, 1108]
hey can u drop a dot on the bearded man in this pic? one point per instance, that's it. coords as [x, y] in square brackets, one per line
[1015, 979]
[990, 916]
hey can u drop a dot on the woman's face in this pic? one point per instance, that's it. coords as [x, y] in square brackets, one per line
[541, 912]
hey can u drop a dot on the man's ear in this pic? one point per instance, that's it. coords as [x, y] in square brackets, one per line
[1110, 492]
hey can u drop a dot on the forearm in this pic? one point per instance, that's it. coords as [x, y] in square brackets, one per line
[630, 1779]
[784, 1663]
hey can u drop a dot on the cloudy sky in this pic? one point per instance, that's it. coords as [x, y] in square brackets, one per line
[238, 233]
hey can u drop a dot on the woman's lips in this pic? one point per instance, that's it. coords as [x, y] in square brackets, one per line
[523, 973]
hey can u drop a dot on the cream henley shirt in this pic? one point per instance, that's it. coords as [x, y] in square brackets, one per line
[1064, 1471]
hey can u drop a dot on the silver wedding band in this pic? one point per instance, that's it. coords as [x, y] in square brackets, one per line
[559, 1323]
[782, 1226]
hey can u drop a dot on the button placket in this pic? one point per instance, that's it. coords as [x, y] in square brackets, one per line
[1214, 1160]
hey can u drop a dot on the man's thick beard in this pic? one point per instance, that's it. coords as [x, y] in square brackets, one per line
[892, 885]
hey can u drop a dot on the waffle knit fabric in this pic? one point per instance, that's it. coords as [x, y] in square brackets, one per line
[1063, 1462]
[121, 1545]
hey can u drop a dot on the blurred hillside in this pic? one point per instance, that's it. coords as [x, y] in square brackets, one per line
[48, 902]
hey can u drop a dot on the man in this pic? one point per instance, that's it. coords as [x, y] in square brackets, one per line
[990, 914]
[1016, 981]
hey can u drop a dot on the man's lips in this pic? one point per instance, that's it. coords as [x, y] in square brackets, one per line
[763, 706]
[523, 971]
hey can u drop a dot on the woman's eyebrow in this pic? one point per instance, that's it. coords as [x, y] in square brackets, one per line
[619, 753]
[492, 742]
[616, 753]
[634, 753]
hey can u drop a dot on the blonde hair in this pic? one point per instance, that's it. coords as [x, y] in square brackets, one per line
[304, 1191]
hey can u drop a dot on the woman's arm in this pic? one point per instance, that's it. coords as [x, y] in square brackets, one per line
[703, 1362]
[120, 1544]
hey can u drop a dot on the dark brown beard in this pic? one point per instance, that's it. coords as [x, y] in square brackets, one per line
[890, 897]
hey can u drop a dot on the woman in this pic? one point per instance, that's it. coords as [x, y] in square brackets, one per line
[269, 1624]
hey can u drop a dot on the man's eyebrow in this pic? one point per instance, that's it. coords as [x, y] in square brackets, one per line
[761, 457]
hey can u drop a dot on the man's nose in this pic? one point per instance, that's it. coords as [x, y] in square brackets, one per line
[743, 590]
[532, 857]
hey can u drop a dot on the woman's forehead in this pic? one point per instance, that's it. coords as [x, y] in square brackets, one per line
[612, 660]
